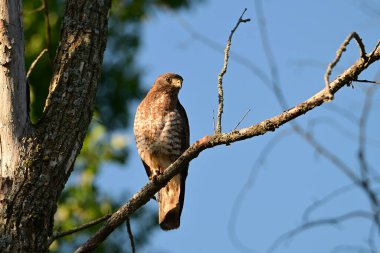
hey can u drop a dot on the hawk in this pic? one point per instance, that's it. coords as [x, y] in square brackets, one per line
[162, 134]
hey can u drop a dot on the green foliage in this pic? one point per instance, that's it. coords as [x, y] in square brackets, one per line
[81, 200]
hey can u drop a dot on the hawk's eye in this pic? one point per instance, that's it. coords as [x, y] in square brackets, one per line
[169, 79]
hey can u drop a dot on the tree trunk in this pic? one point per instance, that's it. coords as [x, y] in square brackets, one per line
[36, 160]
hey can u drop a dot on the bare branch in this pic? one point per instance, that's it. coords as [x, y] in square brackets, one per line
[58, 235]
[344, 112]
[38, 9]
[363, 133]
[249, 183]
[223, 72]
[371, 239]
[274, 80]
[367, 81]
[331, 123]
[317, 204]
[48, 32]
[34, 63]
[342, 48]
[130, 234]
[350, 248]
[344, 167]
[245, 115]
[317, 223]
[214, 45]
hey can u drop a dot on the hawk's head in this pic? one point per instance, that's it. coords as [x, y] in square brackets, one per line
[170, 80]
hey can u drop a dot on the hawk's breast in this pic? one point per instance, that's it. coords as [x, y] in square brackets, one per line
[158, 131]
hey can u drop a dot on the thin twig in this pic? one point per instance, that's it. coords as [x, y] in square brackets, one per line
[213, 119]
[321, 222]
[342, 48]
[328, 154]
[330, 122]
[324, 200]
[371, 238]
[367, 81]
[38, 9]
[130, 234]
[350, 248]
[274, 81]
[223, 71]
[48, 32]
[363, 134]
[58, 235]
[34, 63]
[344, 112]
[374, 50]
[249, 183]
[238, 124]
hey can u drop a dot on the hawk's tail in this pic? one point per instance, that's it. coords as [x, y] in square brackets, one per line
[170, 203]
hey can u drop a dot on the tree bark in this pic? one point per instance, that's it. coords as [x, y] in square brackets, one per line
[36, 160]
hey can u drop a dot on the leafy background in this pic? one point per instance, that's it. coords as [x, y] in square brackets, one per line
[105, 143]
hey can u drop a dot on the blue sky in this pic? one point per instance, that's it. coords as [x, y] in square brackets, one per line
[304, 36]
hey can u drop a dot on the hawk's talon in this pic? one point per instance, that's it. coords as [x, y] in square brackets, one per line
[153, 178]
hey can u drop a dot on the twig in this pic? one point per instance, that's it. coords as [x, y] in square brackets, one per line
[130, 234]
[342, 48]
[328, 154]
[374, 50]
[350, 248]
[144, 195]
[331, 123]
[321, 222]
[249, 183]
[48, 32]
[36, 10]
[213, 119]
[58, 235]
[344, 112]
[34, 63]
[274, 81]
[223, 71]
[325, 199]
[214, 45]
[363, 134]
[371, 238]
[367, 81]
[238, 124]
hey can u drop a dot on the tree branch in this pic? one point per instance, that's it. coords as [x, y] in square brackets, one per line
[34, 63]
[218, 129]
[342, 48]
[130, 235]
[58, 235]
[316, 223]
[269, 125]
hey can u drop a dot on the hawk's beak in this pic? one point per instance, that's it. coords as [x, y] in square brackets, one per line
[177, 83]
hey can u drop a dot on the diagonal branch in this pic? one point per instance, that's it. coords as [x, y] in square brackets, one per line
[58, 235]
[34, 63]
[269, 125]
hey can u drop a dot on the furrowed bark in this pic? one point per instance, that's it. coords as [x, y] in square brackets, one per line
[42, 156]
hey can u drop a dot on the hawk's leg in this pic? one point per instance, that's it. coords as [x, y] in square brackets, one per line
[155, 174]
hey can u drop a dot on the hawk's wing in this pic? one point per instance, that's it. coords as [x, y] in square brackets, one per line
[185, 143]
